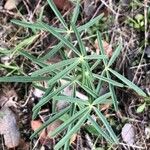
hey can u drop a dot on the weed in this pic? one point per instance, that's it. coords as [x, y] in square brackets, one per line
[77, 71]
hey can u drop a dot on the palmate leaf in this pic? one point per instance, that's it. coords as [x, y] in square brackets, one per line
[72, 131]
[108, 127]
[50, 120]
[60, 37]
[68, 122]
[128, 82]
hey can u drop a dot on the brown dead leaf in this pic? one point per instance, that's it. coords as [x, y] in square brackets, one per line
[53, 126]
[107, 48]
[11, 4]
[8, 98]
[8, 123]
[35, 124]
[73, 138]
[44, 137]
[63, 4]
[105, 107]
[23, 145]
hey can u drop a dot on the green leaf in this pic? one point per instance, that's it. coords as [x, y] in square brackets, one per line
[32, 58]
[23, 79]
[113, 95]
[108, 127]
[141, 108]
[57, 13]
[100, 45]
[71, 132]
[34, 25]
[108, 80]
[128, 82]
[101, 99]
[63, 73]
[115, 55]
[46, 99]
[75, 13]
[95, 56]
[26, 24]
[53, 67]
[68, 122]
[82, 47]
[91, 129]
[99, 130]
[50, 120]
[71, 100]
[60, 37]
[52, 52]
[87, 89]
[90, 23]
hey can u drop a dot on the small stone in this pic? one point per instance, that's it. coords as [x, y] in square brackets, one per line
[128, 133]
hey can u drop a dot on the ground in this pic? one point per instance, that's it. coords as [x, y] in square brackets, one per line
[25, 48]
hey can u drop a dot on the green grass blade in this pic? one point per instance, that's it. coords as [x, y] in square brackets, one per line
[75, 13]
[68, 122]
[72, 131]
[108, 80]
[57, 13]
[101, 99]
[99, 130]
[115, 55]
[71, 100]
[90, 23]
[87, 89]
[63, 73]
[53, 67]
[23, 79]
[108, 127]
[50, 120]
[128, 82]
[60, 37]
[82, 47]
